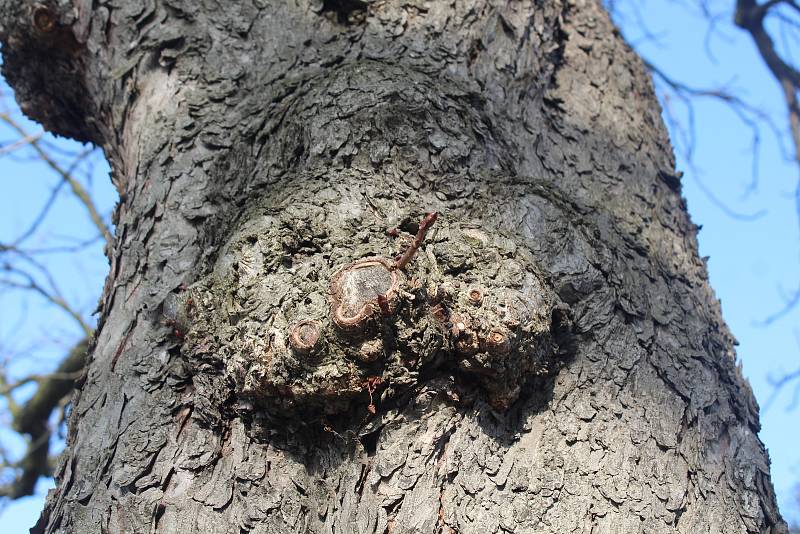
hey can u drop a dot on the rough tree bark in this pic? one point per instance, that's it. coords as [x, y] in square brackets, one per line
[551, 360]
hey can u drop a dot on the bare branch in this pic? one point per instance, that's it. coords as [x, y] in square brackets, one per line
[778, 384]
[52, 295]
[750, 17]
[747, 113]
[22, 142]
[66, 174]
[32, 419]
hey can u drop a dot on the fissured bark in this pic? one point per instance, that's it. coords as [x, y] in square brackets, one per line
[311, 128]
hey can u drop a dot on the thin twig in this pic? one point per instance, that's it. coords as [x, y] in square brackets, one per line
[424, 226]
[77, 189]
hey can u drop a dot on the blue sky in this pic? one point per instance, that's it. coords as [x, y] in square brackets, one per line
[754, 265]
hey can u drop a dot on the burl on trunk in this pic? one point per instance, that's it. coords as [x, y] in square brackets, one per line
[386, 266]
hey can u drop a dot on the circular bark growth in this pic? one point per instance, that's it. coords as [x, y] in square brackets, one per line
[497, 342]
[44, 20]
[475, 296]
[305, 337]
[362, 289]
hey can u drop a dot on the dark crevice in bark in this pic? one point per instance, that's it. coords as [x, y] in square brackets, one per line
[344, 9]
[370, 441]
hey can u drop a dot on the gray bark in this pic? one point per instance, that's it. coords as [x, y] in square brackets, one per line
[259, 148]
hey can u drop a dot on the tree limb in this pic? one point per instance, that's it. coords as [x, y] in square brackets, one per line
[32, 419]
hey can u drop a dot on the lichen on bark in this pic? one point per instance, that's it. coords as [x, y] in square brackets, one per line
[307, 310]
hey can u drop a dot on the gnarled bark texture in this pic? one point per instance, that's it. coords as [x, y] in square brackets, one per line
[261, 148]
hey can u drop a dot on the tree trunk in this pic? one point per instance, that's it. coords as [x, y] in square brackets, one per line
[551, 359]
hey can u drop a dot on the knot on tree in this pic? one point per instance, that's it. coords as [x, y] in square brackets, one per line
[303, 315]
[44, 61]
[361, 289]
